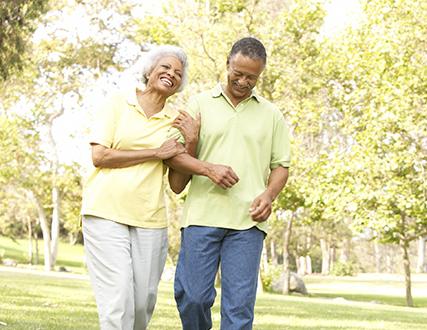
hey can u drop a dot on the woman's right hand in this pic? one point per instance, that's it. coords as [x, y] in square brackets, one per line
[188, 126]
[169, 149]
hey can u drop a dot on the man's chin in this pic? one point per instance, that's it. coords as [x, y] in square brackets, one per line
[241, 92]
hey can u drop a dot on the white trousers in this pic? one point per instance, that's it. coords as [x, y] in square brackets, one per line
[125, 264]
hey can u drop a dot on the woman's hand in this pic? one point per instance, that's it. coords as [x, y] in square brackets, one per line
[188, 126]
[169, 149]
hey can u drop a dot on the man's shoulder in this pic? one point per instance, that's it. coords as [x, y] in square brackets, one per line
[202, 98]
[268, 105]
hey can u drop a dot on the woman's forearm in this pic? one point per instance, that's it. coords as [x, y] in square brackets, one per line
[112, 158]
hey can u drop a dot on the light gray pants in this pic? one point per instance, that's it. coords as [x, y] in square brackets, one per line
[125, 264]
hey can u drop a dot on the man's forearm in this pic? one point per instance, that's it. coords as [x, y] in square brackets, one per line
[187, 164]
[276, 181]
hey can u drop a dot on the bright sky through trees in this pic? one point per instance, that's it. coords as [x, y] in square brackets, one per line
[68, 128]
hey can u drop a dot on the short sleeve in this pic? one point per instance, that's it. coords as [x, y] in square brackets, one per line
[281, 149]
[105, 122]
[192, 109]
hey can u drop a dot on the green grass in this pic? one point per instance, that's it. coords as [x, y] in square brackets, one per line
[69, 256]
[379, 288]
[37, 301]
[30, 299]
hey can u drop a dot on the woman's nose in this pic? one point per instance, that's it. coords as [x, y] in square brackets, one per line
[171, 73]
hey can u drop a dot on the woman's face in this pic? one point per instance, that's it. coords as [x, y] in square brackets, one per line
[166, 76]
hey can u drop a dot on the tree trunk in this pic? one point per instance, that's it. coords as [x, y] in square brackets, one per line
[421, 261]
[407, 267]
[260, 287]
[273, 253]
[30, 242]
[324, 246]
[378, 257]
[308, 247]
[332, 252]
[345, 250]
[302, 268]
[48, 266]
[309, 266]
[389, 264]
[36, 237]
[55, 223]
[45, 231]
[55, 189]
[264, 258]
[286, 240]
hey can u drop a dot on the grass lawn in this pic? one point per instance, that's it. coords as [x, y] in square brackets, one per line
[69, 256]
[39, 301]
[31, 299]
[377, 288]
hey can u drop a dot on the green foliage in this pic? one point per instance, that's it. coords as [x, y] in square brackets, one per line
[355, 103]
[154, 30]
[17, 22]
[269, 276]
[70, 183]
[344, 268]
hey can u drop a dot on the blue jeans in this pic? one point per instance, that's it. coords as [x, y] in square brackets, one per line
[202, 250]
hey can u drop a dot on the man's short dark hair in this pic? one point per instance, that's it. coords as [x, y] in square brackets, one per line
[250, 47]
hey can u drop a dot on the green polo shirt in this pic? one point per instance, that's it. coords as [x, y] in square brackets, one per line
[252, 138]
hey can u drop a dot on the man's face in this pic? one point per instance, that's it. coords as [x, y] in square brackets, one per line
[242, 75]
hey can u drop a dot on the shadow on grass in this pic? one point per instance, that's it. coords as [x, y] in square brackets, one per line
[375, 298]
[14, 253]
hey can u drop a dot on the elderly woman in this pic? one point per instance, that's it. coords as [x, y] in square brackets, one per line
[124, 216]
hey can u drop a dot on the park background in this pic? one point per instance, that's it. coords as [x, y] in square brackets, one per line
[351, 80]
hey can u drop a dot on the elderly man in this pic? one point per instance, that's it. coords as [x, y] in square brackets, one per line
[223, 221]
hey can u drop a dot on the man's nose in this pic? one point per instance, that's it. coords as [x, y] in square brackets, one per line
[243, 81]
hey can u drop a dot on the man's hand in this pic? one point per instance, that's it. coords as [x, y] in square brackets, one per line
[222, 175]
[169, 149]
[260, 209]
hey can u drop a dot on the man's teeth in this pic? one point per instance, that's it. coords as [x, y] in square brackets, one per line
[166, 81]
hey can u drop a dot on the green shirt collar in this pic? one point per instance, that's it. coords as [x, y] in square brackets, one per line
[218, 90]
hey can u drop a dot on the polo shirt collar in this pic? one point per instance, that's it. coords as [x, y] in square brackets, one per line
[133, 101]
[218, 90]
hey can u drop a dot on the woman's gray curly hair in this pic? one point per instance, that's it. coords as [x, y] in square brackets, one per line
[154, 55]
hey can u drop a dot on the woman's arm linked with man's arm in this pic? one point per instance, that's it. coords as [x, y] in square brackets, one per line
[182, 166]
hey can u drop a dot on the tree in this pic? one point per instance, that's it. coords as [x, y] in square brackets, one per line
[17, 22]
[380, 93]
[60, 67]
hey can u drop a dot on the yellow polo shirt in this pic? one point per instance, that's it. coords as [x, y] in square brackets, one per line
[132, 195]
[252, 138]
